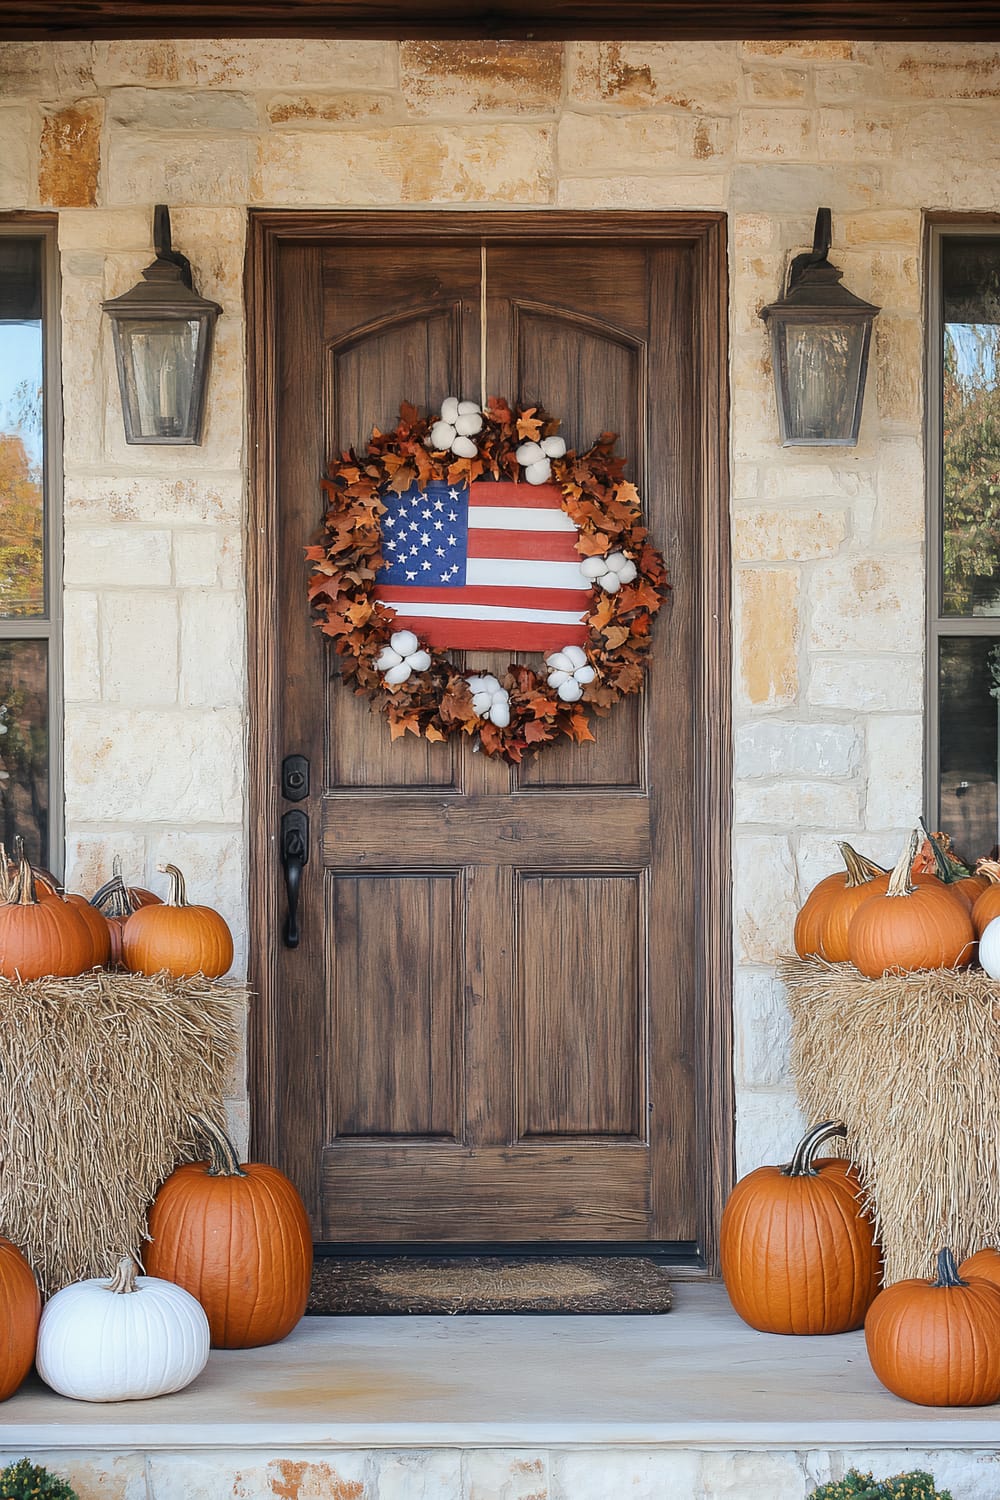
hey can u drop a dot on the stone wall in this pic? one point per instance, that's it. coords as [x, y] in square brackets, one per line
[828, 598]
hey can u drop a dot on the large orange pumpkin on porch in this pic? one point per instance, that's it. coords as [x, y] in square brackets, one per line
[917, 924]
[38, 938]
[177, 937]
[20, 1310]
[822, 923]
[237, 1238]
[798, 1253]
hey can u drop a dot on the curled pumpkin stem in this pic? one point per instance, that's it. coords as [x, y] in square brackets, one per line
[801, 1164]
[900, 883]
[123, 1281]
[860, 869]
[947, 1270]
[178, 889]
[224, 1159]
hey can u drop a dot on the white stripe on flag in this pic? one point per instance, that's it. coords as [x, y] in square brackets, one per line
[483, 612]
[517, 518]
[504, 572]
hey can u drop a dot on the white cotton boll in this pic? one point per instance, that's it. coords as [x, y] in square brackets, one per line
[538, 473]
[491, 685]
[481, 703]
[616, 561]
[464, 447]
[476, 684]
[561, 660]
[629, 571]
[465, 408]
[469, 424]
[419, 661]
[450, 409]
[404, 641]
[442, 436]
[585, 674]
[570, 690]
[529, 453]
[554, 447]
[396, 675]
[577, 655]
[557, 678]
[387, 658]
[500, 714]
[611, 583]
[593, 567]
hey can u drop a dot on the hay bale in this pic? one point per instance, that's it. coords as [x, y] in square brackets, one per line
[97, 1078]
[911, 1064]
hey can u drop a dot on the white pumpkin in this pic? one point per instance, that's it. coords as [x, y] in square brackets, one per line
[989, 948]
[122, 1340]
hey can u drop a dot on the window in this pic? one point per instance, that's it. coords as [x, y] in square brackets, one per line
[30, 576]
[964, 456]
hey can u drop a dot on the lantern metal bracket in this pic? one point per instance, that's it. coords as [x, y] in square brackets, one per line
[815, 262]
[164, 249]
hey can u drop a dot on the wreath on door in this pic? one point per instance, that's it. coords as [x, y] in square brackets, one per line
[576, 508]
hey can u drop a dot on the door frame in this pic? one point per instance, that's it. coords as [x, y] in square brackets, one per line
[704, 234]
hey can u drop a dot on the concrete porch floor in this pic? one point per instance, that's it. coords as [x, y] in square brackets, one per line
[693, 1404]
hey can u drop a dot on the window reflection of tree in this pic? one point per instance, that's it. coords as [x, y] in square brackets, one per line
[24, 748]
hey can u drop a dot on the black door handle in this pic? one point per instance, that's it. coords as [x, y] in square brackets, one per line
[294, 858]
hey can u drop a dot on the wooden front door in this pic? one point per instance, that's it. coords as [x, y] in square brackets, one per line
[494, 1027]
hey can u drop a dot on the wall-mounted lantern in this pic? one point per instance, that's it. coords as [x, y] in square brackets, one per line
[163, 343]
[820, 336]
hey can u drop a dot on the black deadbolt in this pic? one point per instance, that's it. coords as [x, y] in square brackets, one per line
[295, 778]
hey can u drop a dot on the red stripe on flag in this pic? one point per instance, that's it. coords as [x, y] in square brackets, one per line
[577, 600]
[520, 496]
[541, 546]
[492, 635]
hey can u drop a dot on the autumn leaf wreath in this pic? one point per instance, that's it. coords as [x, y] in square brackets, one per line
[420, 689]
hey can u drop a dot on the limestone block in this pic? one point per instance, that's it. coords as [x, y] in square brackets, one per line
[69, 165]
[883, 226]
[81, 647]
[498, 1474]
[900, 514]
[762, 1027]
[214, 241]
[90, 857]
[808, 51]
[939, 70]
[849, 478]
[854, 135]
[154, 499]
[753, 231]
[734, 1476]
[776, 85]
[764, 897]
[101, 557]
[18, 142]
[757, 280]
[196, 558]
[895, 776]
[139, 647]
[94, 1476]
[431, 1474]
[26, 70]
[252, 1476]
[782, 134]
[689, 191]
[656, 143]
[176, 169]
[787, 535]
[182, 109]
[117, 63]
[504, 163]
[783, 187]
[640, 1475]
[106, 229]
[768, 634]
[458, 79]
[83, 263]
[246, 63]
[867, 684]
[754, 422]
[898, 357]
[83, 373]
[238, 1130]
[215, 872]
[798, 804]
[745, 481]
[129, 765]
[323, 110]
[213, 640]
[860, 602]
[654, 75]
[231, 569]
[769, 1125]
[776, 747]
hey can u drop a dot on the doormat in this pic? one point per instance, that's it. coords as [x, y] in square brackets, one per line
[489, 1284]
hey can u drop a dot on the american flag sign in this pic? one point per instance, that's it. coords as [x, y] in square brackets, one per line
[491, 568]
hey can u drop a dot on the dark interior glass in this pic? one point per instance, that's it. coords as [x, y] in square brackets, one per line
[24, 746]
[969, 671]
[22, 530]
[971, 426]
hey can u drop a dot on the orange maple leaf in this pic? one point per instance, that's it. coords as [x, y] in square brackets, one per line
[528, 425]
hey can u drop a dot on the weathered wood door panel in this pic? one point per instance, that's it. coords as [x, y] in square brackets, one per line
[491, 1028]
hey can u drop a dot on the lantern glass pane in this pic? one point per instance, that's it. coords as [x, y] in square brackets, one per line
[822, 370]
[22, 454]
[970, 458]
[161, 362]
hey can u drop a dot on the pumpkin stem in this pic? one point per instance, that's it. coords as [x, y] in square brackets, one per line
[860, 869]
[990, 868]
[23, 892]
[947, 867]
[124, 1278]
[224, 1160]
[947, 1271]
[178, 890]
[899, 880]
[801, 1164]
[114, 898]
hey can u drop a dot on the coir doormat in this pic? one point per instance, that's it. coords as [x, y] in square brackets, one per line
[489, 1284]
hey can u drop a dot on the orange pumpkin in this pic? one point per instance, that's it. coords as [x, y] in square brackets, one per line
[937, 1342]
[821, 925]
[100, 937]
[177, 937]
[798, 1253]
[20, 1310]
[985, 1264]
[39, 938]
[116, 902]
[987, 904]
[237, 1238]
[916, 924]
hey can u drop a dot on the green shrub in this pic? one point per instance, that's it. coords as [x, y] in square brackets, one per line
[25, 1481]
[855, 1486]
